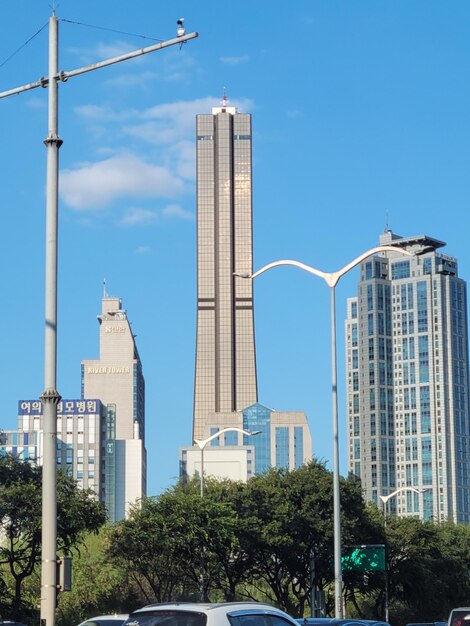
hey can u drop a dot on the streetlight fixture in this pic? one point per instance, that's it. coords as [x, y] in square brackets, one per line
[332, 279]
[385, 500]
[50, 396]
[201, 444]
[387, 497]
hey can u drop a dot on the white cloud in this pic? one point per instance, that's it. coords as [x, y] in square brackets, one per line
[138, 217]
[133, 79]
[96, 185]
[165, 134]
[174, 210]
[235, 60]
[143, 250]
[100, 51]
[36, 102]
[169, 123]
[95, 113]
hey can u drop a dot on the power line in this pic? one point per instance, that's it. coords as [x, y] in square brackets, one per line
[22, 46]
[111, 30]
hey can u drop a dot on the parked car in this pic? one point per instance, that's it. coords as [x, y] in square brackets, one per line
[427, 624]
[207, 614]
[459, 617]
[106, 620]
[336, 621]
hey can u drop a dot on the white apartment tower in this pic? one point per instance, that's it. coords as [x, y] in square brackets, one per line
[408, 381]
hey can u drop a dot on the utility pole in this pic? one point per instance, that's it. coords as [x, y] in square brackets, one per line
[51, 396]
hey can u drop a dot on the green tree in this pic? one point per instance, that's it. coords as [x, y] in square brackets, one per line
[162, 543]
[20, 524]
[288, 523]
[421, 553]
[99, 584]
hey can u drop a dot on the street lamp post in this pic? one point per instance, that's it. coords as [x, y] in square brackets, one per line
[385, 500]
[332, 279]
[387, 497]
[50, 396]
[201, 444]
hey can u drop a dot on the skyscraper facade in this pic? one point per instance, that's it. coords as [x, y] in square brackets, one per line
[116, 378]
[408, 381]
[225, 370]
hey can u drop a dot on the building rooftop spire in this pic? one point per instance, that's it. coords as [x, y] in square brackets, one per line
[225, 98]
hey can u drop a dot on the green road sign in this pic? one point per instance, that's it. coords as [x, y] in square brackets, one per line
[363, 558]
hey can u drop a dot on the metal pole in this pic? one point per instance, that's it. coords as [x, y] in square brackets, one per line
[313, 589]
[202, 593]
[336, 494]
[50, 396]
[386, 583]
[201, 482]
[386, 593]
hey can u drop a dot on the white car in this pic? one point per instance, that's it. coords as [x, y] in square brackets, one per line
[206, 614]
[106, 620]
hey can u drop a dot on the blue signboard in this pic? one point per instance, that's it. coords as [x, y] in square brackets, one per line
[65, 407]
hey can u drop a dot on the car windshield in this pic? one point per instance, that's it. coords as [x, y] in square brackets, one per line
[460, 618]
[167, 618]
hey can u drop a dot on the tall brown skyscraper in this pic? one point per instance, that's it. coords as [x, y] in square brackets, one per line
[225, 376]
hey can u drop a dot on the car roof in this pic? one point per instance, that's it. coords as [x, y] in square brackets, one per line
[206, 606]
[214, 608]
[114, 616]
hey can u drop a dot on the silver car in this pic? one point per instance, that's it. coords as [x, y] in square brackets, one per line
[206, 614]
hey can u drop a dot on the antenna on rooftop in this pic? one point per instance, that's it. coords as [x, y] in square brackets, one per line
[387, 227]
[105, 295]
[224, 98]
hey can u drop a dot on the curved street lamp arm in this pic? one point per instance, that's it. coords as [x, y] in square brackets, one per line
[386, 498]
[331, 278]
[335, 276]
[302, 266]
[201, 443]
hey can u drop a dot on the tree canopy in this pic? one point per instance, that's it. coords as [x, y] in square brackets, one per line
[78, 513]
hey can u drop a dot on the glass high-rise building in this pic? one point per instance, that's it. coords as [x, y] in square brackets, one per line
[282, 440]
[225, 371]
[408, 382]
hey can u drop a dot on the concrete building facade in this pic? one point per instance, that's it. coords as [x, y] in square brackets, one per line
[283, 440]
[116, 378]
[79, 449]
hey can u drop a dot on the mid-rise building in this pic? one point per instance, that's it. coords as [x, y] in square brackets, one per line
[100, 437]
[408, 381]
[225, 372]
[80, 443]
[281, 439]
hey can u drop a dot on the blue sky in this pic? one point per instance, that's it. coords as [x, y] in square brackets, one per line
[361, 114]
